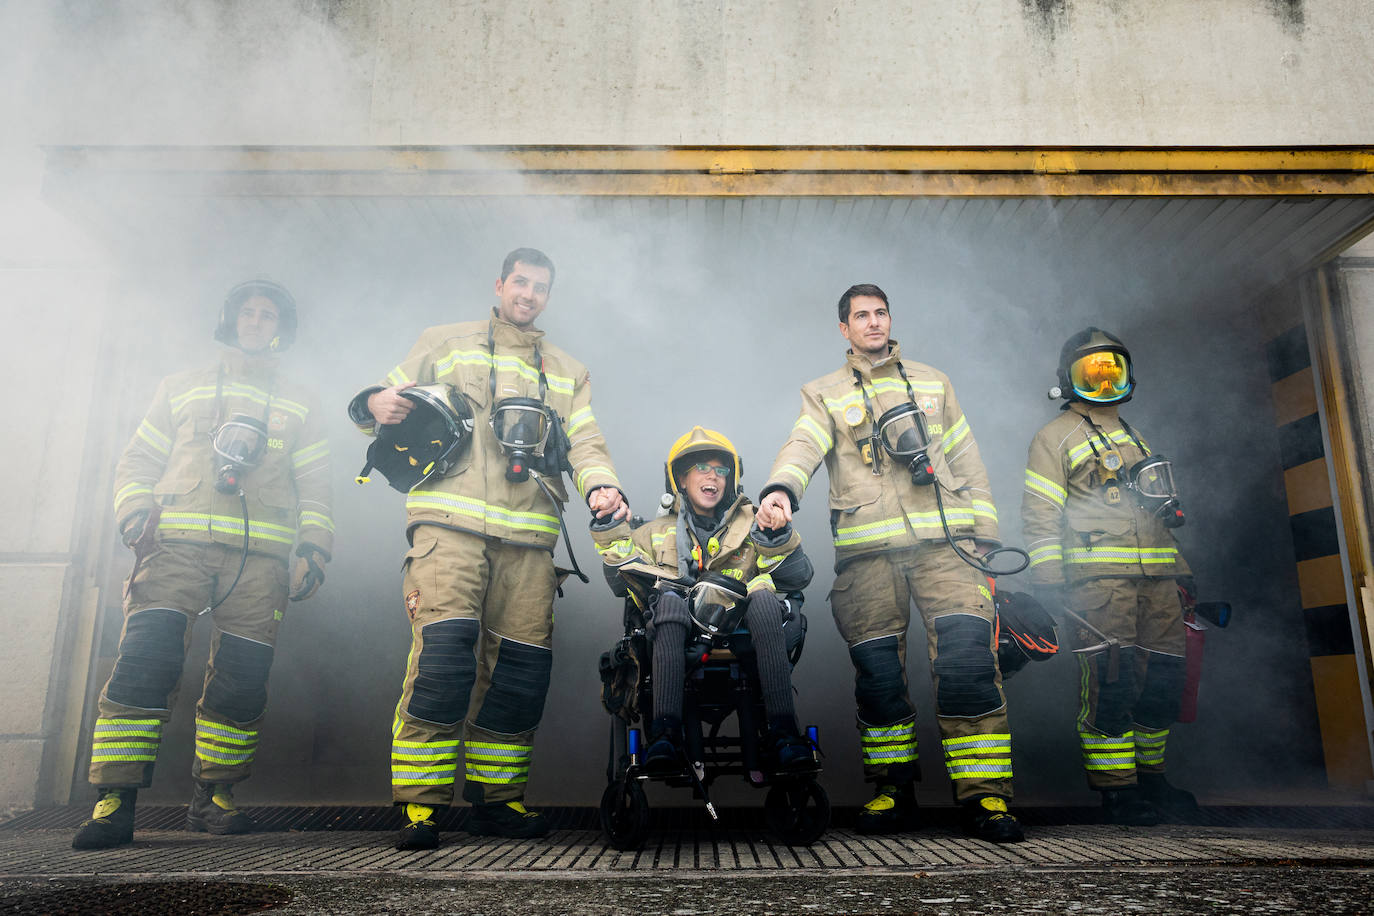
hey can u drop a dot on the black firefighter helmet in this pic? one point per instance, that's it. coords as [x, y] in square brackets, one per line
[227, 332]
[429, 441]
[1025, 632]
[1095, 367]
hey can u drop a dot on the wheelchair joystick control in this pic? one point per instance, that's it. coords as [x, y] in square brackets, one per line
[634, 746]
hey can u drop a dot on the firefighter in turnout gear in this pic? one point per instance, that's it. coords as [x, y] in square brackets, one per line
[224, 494]
[713, 530]
[891, 549]
[479, 580]
[1100, 545]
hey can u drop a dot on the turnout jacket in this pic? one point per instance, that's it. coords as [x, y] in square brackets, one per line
[872, 513]
[1072, 532]
[738, 548]
[171, 463]
[475, 495]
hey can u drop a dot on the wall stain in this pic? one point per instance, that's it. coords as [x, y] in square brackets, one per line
[1051, 16]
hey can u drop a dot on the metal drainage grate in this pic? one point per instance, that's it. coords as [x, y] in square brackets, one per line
[151, 898]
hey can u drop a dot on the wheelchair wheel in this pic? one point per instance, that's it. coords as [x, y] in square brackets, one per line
[798, 811]
[625, 814]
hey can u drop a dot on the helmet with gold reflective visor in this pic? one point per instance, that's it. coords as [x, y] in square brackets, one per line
[1095, 367]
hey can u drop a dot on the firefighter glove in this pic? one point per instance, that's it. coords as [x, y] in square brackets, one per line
[134, 528]
[307, 575]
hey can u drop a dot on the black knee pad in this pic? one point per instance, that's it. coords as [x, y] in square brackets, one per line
[445, 670]
[1114, 697]
[965, 666]
[150, 658]
[668, 609]
[880, 682]
[1162, 694]
[238, 689]
[519, 683]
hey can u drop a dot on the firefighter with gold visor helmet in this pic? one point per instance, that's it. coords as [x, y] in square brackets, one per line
[1098, 511]
[223, 492]
[712, 537]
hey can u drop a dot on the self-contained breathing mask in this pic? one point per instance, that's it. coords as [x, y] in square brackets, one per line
[901, 433]
[239, 442]
[532, 438]
[429, 441]
[1152, 481]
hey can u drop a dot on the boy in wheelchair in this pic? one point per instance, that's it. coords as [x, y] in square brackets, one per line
[709, 564]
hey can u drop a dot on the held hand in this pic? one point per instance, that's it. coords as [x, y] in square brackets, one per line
[608, 501]
[774, 511]
[388, 407]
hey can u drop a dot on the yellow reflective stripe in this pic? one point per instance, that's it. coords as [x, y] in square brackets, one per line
[769, 562]
[504, 363]
[129, 491]
[1050, 553]
[888, 733]
[838, 405]
[972, 743]
[658, 537]
[617, 549]
[475, 508]
[318, 519]
[579, 419]
[208, 757]
[1043, 486]
[397, 376]
[797, 474]
[1084, 450]
[864, 534]
[487, 745]
[586, 473]
[239, 390]
[931, 520]
[984, 509]
[758, 582]
[956, 434]
[199, 521]
[452, 745]
[1121, 555]
[817, 433]
[225, 732]
[154, 437]
[301, 457]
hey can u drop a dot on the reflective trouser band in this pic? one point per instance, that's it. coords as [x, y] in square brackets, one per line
[888, 743]
[424, 763]
[1145, 556]
[225, 745]
[126, 740]
[978, 756]
[1149, 747]
[497, 763]
[1107, 752]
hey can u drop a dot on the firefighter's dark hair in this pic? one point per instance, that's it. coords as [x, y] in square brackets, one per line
[859, 289]
[531, 256]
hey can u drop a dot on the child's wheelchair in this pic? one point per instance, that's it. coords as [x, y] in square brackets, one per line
[722, 681]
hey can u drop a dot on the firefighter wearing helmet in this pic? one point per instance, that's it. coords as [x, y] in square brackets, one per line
[224, 495]
[479, 581]
[1098, 512]
[890, 431]
[712, 530]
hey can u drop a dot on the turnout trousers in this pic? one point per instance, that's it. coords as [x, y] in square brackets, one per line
[871, 602]
[481, 621]
[1128, 698]
[166, 594]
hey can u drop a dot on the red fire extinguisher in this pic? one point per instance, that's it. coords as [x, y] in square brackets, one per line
[1217, 613]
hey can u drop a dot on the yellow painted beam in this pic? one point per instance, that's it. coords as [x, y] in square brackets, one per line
[1321, 581]
[1340, 711]
[1295, 397]
[1308, 487]
[729, 172]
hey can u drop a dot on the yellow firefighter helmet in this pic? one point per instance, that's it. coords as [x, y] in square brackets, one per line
[700, 441]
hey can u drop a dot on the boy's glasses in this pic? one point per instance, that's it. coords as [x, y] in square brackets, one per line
[708, 468]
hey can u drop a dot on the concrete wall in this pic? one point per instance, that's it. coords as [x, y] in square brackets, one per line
[997, 72]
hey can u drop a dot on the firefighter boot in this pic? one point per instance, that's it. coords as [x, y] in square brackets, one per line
[892, 810]
[111, 823]
[420, 831]
[664, 754]
[1126, 806]
[987, 818]
[506, 819]
[213, 811]
[1172, 803]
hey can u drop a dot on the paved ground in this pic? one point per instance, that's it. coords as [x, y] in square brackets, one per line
[1241, 861]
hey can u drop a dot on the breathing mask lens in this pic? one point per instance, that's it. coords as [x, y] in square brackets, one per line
[522, 427]
[714, 603]
[1152, 480]
[903, 435]
[1104, 376]
[239, 442]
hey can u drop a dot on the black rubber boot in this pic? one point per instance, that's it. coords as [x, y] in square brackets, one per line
[420, 831]
[1172, 803]
[1126, 806]
[111, 823]
[664, 755]
[987, 818]
[892, 810]
[506, 819]
[213, 811]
